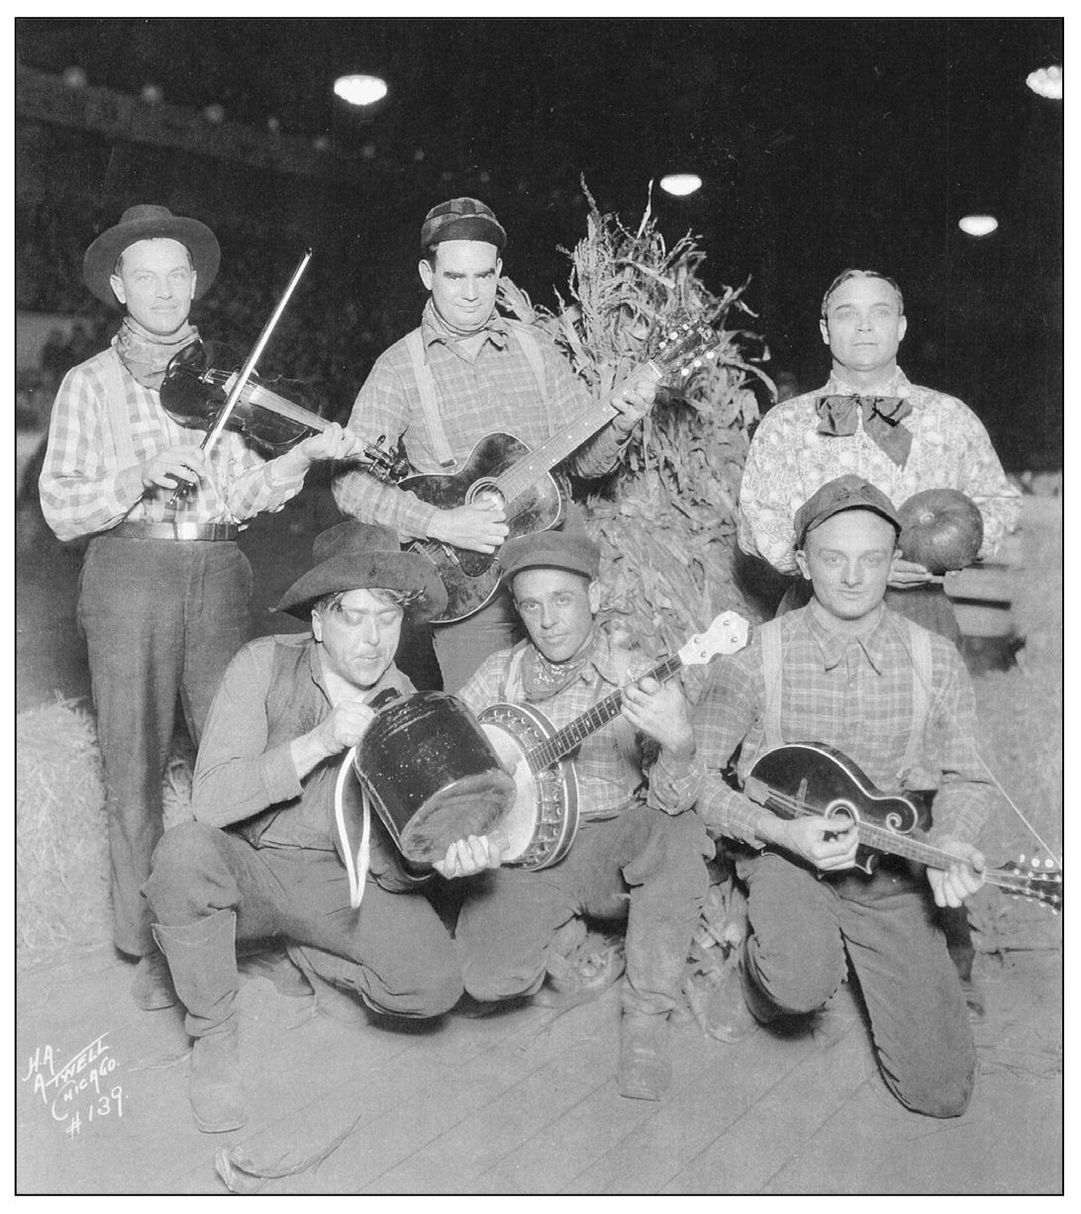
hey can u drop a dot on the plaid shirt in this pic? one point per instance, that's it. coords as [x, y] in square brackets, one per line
[611, 762]
[91, 479]
[497, 392]
[856, 695]
[789, 460]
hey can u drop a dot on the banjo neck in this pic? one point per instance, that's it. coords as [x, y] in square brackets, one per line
[564, 740]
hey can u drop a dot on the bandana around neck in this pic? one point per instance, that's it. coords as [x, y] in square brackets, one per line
[542, 679]
[145, 354]
[494, 324]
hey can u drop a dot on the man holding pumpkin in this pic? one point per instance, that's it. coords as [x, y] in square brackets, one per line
[869, 420]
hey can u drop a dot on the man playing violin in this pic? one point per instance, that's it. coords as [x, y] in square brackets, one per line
[164, 590]
[264, 856]
[847, 672]
[466, 372]
[639, 851]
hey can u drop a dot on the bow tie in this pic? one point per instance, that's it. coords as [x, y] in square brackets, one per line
[882, 417]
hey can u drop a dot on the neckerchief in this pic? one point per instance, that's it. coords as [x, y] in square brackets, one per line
[882, 417]
[145, 354]
[542, 679]
[495, 327]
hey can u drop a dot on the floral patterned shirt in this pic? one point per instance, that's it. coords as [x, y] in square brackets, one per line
[789, 460]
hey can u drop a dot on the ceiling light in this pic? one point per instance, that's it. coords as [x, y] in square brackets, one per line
[1046, 81]
[681, 184]
[360, 90]
[978, 225]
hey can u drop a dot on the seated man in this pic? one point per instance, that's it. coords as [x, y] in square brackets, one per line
[261, 860]
[896, 699]
[639, 848]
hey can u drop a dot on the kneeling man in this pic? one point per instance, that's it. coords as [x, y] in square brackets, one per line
[639, 850]
[896, 700]
[261, 859]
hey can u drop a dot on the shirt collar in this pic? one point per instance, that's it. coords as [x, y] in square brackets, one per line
[391, 677]
[833, 645]
[496, 329]
[601, 664]
[897, 385]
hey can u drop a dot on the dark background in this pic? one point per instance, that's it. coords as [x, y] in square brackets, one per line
[822, 144]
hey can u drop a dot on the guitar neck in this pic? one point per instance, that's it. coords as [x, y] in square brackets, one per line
[563, 741]
[518, 479]
[882, 839]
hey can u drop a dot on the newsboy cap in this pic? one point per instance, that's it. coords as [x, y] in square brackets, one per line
[462, 219]
[571, 550]
[844, 493]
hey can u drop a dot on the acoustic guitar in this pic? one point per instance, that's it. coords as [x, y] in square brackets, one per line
[813, 779]
[503, 470]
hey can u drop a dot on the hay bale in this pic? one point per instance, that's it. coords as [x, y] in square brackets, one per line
[61, 844]
[61, 832]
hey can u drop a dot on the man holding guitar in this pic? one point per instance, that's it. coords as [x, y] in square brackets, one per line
[846, 672]
[639, 851]
[466, 374]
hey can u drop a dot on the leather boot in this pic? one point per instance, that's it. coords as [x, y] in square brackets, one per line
[202, 958]
[645, 1066]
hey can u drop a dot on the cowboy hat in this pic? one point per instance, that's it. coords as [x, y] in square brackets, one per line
[364, 556]
[147, 222]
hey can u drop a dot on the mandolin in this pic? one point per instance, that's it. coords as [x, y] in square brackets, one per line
[813, 779]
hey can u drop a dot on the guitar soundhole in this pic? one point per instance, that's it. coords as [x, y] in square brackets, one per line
[485, 493]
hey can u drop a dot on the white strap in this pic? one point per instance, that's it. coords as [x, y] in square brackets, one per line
[356, 867]
[920, 653]
[769, 634]
[429, 399]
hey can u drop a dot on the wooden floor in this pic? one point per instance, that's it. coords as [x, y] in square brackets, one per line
[525, 1101]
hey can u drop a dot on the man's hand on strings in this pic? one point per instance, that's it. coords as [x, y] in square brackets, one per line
[827, 843]
[173, 467]
[660, 712]
[951, 886]
[479, 526]
[335, 442]
[634, 401]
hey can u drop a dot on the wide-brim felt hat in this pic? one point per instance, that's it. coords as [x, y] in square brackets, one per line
[148, 222]
[364, 556]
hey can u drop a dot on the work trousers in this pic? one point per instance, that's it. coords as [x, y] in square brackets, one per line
[162, 618]
[802, 929]
[644, 865]
[394, 951]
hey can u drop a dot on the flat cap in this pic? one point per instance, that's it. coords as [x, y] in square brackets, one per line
[462, 219]
[844, 493]
[572, 550]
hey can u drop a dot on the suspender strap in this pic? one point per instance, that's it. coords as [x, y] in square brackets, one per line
[769, 634]
[429, 399]
[920, 652]
[116, 409]
[533, 356]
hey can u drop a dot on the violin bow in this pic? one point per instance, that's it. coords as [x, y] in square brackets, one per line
[248, 368]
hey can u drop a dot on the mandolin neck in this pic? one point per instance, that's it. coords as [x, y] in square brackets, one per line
[563, 741]
[882, 839]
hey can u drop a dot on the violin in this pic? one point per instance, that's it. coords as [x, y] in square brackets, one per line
[194, 393]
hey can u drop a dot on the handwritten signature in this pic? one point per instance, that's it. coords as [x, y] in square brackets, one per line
[83, 1077]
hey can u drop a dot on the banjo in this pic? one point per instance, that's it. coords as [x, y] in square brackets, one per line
[542, 820]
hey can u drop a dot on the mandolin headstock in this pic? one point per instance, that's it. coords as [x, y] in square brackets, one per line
[1034, 879]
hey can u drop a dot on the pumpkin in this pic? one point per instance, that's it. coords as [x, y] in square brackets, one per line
[941, 529]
